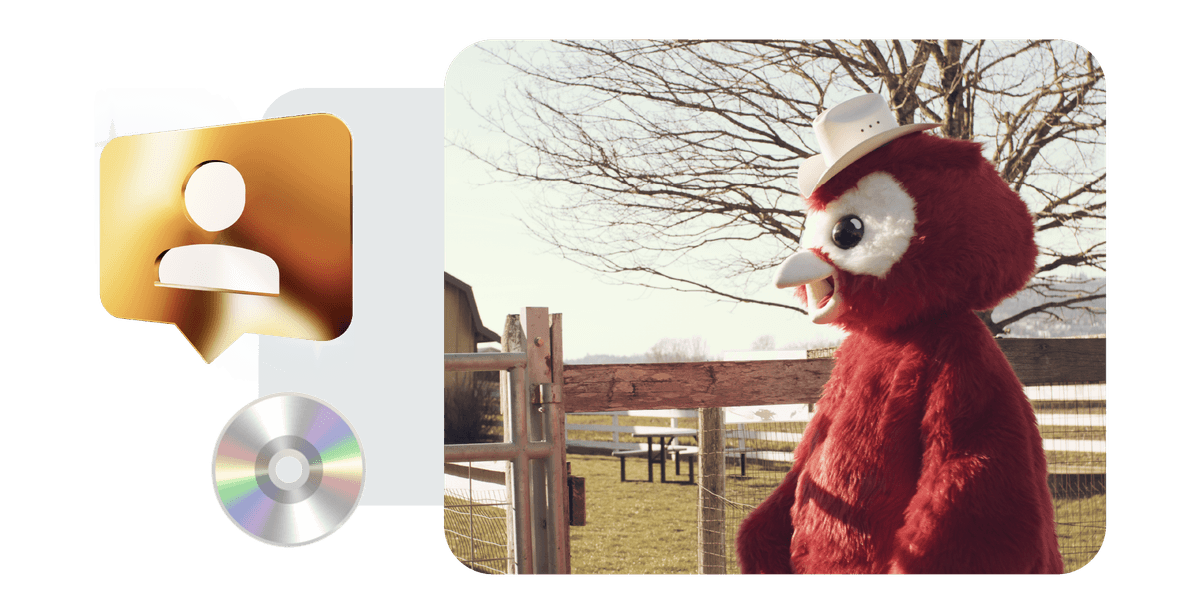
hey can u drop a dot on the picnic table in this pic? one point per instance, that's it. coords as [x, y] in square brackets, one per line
[662, 433]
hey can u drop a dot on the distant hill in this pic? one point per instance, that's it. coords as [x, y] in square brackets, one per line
[1073, 324]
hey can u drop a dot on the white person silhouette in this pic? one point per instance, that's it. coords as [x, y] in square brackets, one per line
[215, 197]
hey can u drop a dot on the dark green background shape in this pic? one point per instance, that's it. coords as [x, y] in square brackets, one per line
[397, 192]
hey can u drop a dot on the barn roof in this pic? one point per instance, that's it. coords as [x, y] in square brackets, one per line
[482, 333]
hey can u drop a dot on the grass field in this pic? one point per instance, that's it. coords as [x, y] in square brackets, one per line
[475, 533]
[1081, 524]
[633, 527]
[643, 528]
[650, 528]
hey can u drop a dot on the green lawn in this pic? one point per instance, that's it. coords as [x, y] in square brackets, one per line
[650, 528]
[627, 520]
[633, 527]
[1081, 525]
[476, 533]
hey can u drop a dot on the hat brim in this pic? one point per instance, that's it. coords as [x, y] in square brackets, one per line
[813, 171]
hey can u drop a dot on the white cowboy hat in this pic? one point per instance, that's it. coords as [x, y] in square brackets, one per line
[848, 132]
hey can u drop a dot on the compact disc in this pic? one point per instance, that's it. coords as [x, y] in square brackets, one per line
[288, 469]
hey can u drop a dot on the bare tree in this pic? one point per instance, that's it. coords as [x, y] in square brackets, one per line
[763, 343]
[694, 349]
[672, 163]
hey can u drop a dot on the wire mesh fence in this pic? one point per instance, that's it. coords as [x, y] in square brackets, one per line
[753, 469]
[476, 526]
[476, 512]
[1071, 418]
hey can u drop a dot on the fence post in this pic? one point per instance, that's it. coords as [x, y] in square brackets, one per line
[536, 324]
[560, 494]
[711, 508]
[544, 346]
[515, 474]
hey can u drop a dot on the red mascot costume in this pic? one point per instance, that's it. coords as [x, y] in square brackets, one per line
[923, 455]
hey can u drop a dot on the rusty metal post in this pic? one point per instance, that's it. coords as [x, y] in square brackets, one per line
[556, 414]
[537, 375]
[549, 475]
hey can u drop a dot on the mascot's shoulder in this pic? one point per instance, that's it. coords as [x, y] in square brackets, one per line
[954, 351]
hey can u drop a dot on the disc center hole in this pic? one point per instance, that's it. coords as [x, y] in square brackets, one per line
[288, 470]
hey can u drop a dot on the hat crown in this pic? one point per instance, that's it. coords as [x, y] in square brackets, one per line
[846, 133]
[848, 124]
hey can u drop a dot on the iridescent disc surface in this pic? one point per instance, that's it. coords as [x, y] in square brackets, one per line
[288, 469]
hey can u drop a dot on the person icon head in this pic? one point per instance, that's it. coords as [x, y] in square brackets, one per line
[214, 198]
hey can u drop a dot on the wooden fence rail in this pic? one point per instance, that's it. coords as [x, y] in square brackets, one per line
[614, 387]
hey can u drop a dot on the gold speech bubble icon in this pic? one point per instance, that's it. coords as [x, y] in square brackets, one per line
[232, 229]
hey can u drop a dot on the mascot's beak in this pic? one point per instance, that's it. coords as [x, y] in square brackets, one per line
[806, 268]
[801, 268]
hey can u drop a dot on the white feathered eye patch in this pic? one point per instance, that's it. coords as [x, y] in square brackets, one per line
[867, 229]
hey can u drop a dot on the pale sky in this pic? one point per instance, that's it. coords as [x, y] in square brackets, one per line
[488, 248]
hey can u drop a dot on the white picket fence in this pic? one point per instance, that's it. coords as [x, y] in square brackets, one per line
[616, 428]
[741, 434]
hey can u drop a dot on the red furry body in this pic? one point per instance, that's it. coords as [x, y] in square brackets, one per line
[924, 455]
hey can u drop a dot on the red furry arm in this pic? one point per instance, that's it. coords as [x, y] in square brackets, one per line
[765, 537]
[981, 503]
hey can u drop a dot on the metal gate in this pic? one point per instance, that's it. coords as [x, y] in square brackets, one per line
[535, 442]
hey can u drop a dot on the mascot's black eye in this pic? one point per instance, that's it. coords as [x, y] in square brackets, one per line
[848, 232]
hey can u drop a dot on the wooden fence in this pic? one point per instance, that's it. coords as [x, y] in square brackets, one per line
[708, 386]
[622, 387]
[726, 384]
[661, 389]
